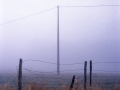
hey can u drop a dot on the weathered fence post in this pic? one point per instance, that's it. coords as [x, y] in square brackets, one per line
[85, 74]
[20, 75]
[72, 83]
[90, 74]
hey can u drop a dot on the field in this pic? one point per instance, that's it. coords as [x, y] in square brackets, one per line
[62, 87]
[61, 82]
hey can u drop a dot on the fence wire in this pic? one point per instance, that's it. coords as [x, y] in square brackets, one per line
[102, 79]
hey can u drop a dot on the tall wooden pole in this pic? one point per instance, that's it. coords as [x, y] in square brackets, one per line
[20, 75]
[58, 62]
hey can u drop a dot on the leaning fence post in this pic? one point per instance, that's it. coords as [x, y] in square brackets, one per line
[20, 75]
[90, 74]
[85, 74]
[72, 83]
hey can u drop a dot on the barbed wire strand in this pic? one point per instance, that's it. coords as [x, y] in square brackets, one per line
[38, 74]
[44, 74]
[44, 77]
[47, 76]
[106, 71]
[105, 76]
[105, 62]
[59, 71]
[51, 62]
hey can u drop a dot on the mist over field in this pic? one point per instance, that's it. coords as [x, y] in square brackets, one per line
[86, 33]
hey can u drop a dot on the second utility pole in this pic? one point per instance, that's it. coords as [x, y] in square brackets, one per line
[58, 62]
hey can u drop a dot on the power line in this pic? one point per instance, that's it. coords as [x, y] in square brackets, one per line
[94, 6]
[54, 8]
[27, 16]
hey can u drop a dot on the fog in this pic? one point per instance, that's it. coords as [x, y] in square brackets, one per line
[86, 33]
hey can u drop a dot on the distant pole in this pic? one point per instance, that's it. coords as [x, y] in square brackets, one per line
[85, 74]
[90, 74]
[58, 62]
[20, 75]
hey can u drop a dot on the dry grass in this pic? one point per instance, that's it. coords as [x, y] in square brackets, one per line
[35, 87]
[117, 87]
[7, 87]
[44, 87]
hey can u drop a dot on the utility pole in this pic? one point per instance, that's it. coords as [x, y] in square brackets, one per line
[58, 62]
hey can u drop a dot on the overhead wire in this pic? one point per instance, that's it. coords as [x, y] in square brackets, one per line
[27, 16]
[54, 8]
[94, 6]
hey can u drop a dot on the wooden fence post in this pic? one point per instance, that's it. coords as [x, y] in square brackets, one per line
[90, 74]
[85, 74]
[20, 75]
[72, 83]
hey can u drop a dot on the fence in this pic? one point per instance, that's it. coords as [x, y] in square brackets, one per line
[106, 79]
[53, 81]
[88, 79]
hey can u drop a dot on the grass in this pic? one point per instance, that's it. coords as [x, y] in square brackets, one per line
[63, 87]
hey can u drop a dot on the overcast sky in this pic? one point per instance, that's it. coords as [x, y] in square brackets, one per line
[86, 33]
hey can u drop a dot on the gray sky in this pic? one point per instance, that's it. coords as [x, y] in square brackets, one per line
[86, 33]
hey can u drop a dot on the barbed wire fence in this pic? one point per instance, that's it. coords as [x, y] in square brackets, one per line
[104, 79]
[97, 78]
[51, 79]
